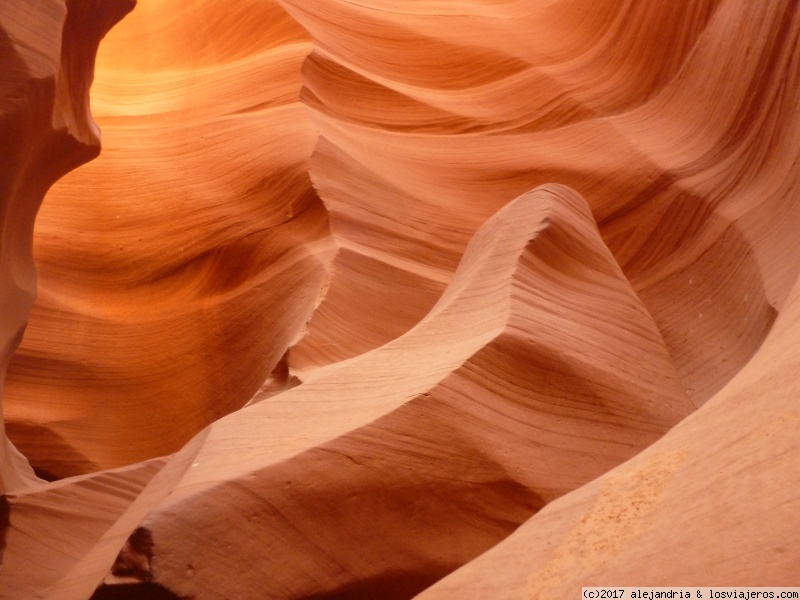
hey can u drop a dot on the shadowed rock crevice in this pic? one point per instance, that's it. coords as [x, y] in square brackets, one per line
[5, 512]
[135, 591]
[711, 323]
[136, 556]
[54, 457]
[396, 585]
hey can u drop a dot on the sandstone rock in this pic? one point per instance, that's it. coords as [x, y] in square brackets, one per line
[371, 299]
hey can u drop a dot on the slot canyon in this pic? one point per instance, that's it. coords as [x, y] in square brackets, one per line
[383, 299]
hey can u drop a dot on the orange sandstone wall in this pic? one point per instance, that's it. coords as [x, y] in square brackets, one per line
[369, 299]
[47, 51]
[176, 269]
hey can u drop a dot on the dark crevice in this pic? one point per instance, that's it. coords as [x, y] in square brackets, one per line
[135, 591]
[5, 522]
[386, 586]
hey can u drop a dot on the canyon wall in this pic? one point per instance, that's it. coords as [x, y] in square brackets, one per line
[388, 300]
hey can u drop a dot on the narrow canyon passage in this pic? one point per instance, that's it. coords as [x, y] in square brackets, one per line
[368, 299]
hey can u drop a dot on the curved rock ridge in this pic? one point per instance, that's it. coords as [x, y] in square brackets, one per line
[539, 370]
[671, 127]
[175, 269]
[670, 516]
[47, 51]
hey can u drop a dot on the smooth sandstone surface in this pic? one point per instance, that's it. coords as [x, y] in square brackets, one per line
[388, 300]
[47, 51]
[206, 145]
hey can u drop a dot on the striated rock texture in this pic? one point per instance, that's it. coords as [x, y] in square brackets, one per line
[136, 344]
[475, 299]
[47, 52]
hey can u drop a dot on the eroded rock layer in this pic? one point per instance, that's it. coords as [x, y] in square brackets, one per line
[47, 51]
[521, 401]
[389, 300]
[723, 478]
[176, 269]
[467, 106]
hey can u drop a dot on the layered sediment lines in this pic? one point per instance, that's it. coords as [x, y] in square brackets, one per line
[47, 52]
[368, 299]
[670, 125]
[714, 503]
[177, 268]
[519, 396]
[379, 475]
